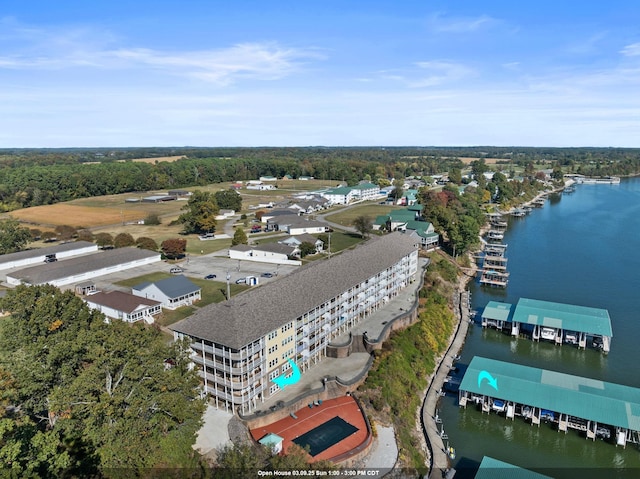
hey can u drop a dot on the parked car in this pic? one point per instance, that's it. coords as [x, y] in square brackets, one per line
[210, 276]
[267, 275]
[176, 270]
[241, 281]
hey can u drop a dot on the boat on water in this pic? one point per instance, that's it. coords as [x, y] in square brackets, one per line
[495, 235]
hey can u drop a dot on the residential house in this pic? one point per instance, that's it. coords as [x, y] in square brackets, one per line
[297, 240]
[172, 292]
[124, 306]
[264, 253]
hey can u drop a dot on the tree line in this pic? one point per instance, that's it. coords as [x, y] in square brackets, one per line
[39, 177]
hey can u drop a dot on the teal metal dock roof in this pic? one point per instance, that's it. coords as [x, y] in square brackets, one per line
[569, 317]
[497, 310]
[586, 398]
[491, 468]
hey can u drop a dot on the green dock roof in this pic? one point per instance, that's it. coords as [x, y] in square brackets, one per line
[569, 317]
[586, 398]
[497, 310]
[491, 468]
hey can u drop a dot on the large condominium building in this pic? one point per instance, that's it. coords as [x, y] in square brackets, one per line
[241, 345]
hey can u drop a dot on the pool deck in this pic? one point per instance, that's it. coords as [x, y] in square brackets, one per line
[308, 418]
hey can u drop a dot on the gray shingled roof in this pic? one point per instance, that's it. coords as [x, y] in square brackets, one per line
[253, 314]
[172, 287]
[275, 248]
[45, 273]
[120, 301]
[34, 253]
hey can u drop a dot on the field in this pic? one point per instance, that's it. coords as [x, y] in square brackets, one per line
[111, 213]
[488, 161]
[158, 159]
[76, 215]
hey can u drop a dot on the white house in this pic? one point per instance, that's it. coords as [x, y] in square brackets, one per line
[225, 214]
[302, 226]
[274, 253]
[124, 306]
[297, 240]
[171, 292]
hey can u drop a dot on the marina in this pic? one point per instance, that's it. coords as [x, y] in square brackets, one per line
[595, 408]
[580, 249]
[556, 322]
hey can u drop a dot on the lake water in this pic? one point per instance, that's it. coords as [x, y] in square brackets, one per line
[584, 249]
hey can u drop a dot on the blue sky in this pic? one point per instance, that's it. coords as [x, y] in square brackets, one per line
[335, 73]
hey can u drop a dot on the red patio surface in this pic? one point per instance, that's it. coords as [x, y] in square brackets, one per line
[308, 418]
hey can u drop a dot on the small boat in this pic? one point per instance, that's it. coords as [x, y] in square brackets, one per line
[526, 412]
[451, 452]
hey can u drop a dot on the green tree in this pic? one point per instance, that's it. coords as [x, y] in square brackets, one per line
[123, 240]
[239, 237]
[13, 237]
[85, 235]
[152, 219]
[455, 175]
[92, 394]
[363, 225]
[48, 236]
[174, 248]
[200, 213]
[240, 460]
[147, 243]
[65, 232]
[306, 249]
[104, 240]
[229, 199]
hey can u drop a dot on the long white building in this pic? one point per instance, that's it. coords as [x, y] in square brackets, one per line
[241, 345]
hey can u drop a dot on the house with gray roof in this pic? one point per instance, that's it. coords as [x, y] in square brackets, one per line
[124, 306]
[242, 344]
[172, 292]
[297, 240]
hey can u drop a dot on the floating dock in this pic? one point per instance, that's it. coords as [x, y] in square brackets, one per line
[556, 322]
[494, 266]
[596, 408]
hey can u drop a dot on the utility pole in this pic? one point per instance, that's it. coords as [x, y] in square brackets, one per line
[228, 286]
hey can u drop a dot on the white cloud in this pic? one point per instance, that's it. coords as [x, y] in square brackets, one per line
[440, 23]
[222, 66]
[631, 50]
[441, 73]
[38, 49]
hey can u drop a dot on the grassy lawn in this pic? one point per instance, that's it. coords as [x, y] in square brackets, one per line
[342, 241]
[211, 292]
[346, 216]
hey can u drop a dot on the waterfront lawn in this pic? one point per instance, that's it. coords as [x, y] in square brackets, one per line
[346, 216]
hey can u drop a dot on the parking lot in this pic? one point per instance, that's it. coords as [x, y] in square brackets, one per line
[199, 267]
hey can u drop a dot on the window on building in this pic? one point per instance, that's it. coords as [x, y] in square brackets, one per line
[273, 363]
[273, 389]
[273, 334]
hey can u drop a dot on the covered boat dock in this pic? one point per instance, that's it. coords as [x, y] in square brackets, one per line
[597, 408]
[556, 322]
